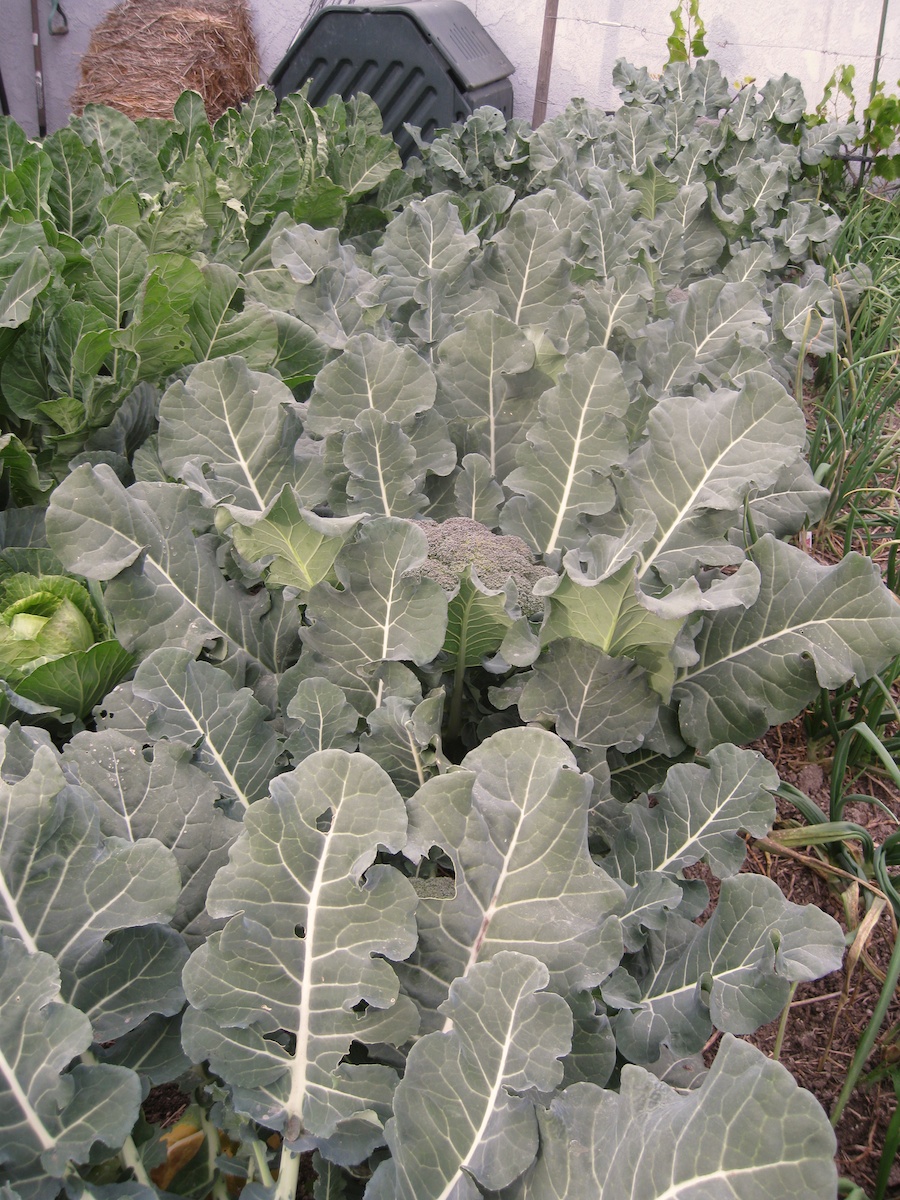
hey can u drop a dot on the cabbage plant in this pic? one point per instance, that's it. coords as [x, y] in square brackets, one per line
[446, 665]
[58, 655]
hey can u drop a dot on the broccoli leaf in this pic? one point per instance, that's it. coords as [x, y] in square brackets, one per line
[746, 1127]
[513, 823]
[459, 1112]
[52, 1116]
[306, 941]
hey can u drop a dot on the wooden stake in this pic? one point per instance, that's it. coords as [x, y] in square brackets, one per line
[545, 63]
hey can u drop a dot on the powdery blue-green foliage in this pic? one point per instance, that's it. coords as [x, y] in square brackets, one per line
[390, 863]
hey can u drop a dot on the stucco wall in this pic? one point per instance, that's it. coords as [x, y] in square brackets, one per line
[760, 38]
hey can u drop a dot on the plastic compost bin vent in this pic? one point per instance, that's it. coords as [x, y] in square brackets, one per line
[425, 63]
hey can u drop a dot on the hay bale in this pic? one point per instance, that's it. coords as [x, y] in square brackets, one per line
[145, 53]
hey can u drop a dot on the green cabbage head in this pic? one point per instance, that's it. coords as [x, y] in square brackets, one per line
[58, 655]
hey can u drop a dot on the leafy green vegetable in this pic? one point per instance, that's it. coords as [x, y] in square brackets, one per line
[441, 549]
[56, 650]
[122, 245]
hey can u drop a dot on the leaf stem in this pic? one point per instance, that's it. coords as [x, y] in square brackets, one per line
[130, 1158]
[261, 1163]
[288, 1174]
[782, 1024]
[219, 1188]
[454, 718]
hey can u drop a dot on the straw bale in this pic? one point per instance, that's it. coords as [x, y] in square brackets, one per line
[145, 53]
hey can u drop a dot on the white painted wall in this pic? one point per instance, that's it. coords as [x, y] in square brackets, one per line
[760, 38]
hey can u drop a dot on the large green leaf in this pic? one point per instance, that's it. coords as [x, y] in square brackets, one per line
[22, 287]
[698, 813]
[747, 1131]
[370, 374]
[593, 700]
[119, 267]
[322, 718]
[76, 185]
[122, 153]
[477, 622]
[233, 421]
[757, 191]
[403, 731]
[514, 824]
[78, 341]
[735, 973]
[366, 157]
[385, 470]
[274, 172]
[64, 886]
[570, 451]
[18, 241]
[423, 261]
[706, 329]
[813, 626]
[614, 615]
[528, 267]
[423, 248]
[307, 940]
[459, 1113]
[157, 794]
[52, 1116]
[380, 613]
[220, 326]
[701, 459]
[304, 251]
[73, 683]
[619, 305]
[474, 367]
[133, 975]
[335, 304]
[197, 703]
[298, 545]
[167, 587]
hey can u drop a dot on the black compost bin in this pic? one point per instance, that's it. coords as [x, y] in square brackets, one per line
[425, 63]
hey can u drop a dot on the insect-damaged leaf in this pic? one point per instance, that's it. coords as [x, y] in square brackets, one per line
[514, 824]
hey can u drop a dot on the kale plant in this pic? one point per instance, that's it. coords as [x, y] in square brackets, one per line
[381, 852]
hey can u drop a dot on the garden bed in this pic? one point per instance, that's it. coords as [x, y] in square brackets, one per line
[443, 540]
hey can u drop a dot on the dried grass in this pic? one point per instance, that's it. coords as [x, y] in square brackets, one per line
[145, 53]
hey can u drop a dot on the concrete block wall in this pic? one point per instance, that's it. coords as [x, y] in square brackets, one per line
[762, 38]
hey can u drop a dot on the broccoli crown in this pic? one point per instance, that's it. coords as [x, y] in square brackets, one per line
[460, 543]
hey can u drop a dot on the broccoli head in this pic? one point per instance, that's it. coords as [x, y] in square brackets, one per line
[459, 543]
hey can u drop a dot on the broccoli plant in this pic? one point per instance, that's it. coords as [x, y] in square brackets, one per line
[489, 579]
[445, 664]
